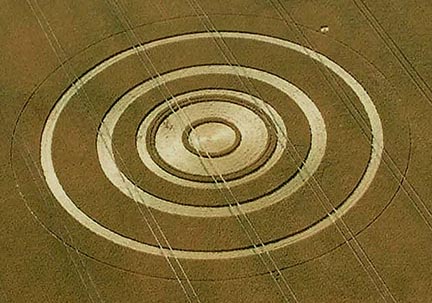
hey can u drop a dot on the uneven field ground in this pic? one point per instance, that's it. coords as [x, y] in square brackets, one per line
[208, 151]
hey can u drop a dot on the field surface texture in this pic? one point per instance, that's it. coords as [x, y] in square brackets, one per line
[215, 151]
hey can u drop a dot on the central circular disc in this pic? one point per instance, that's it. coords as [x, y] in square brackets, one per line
[212, 139]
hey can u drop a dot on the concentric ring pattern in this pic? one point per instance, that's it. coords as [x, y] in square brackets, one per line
[201, 142]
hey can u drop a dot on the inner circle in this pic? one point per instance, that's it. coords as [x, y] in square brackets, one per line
[211, 138]
[162, 138]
